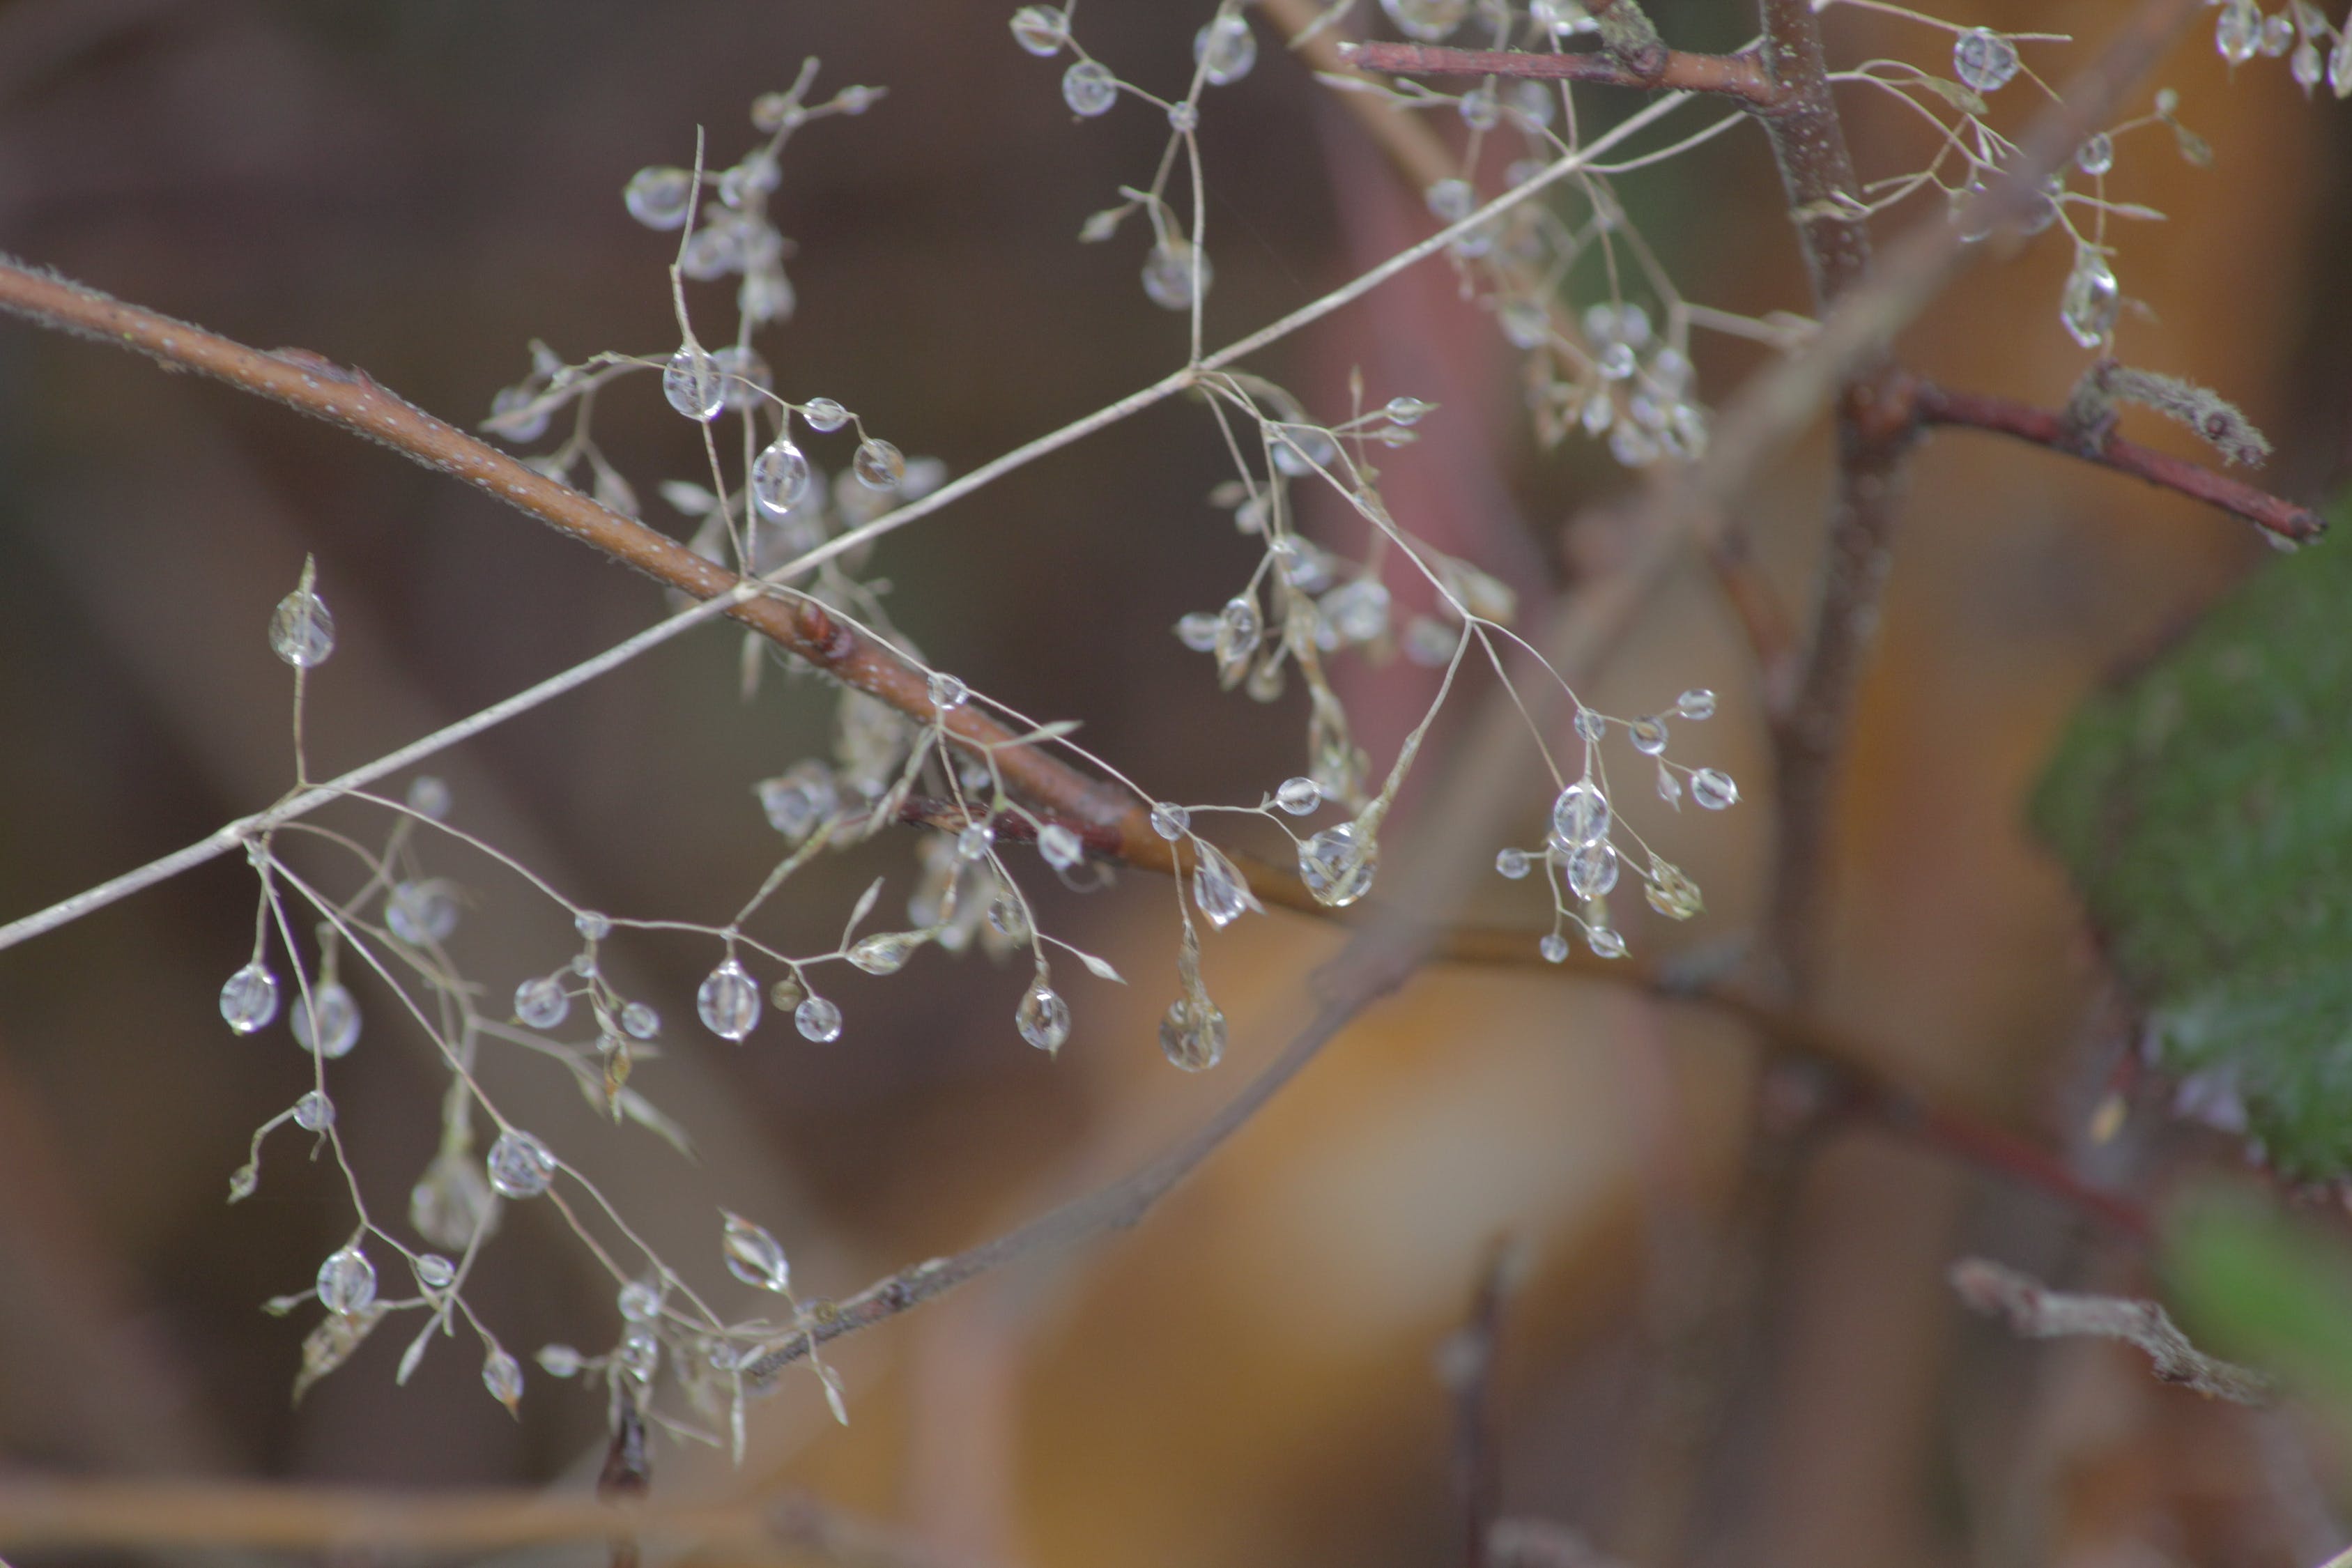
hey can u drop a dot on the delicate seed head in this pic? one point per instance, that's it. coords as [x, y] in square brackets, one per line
[1059, 845]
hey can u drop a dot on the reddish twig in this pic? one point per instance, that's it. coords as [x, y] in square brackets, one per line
[1741, 77]
[2038, 1313]
[1933, 405]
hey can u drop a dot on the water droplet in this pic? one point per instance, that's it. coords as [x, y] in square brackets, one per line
[2278, 34]
[1171, 270]
[825, 416]
[1217, 887]
[592, 925]
[451, 1203]
[1615, 362]
[1225, 49]
[326, 1021]
[638, 1354]
[428, 797]
[346, 1281]
[2238, 31]
[248, 999]
[801, 798]
[434, 1271]
[2305, 67]
[558, 1361]
[1238, 630]
[1198, 631]
[1338, 864]
[2090, 304]
[947, 692]
[1406, 410]
[1170, 821]
[818, 1019]
[641, 1021]
[780, 476]
[879, 466]
[640, 1300]
[728, 1001]
[1713, 790]
[1589, 724]
[420, 914]
[1042, 1018]
[1604, 943]
[1298, 797]
[658, 198]
[1592, 870]
[1983, 59]
[1193, 1034]
[503, 1377]
[974, 842]
[743, 377]
[1451, 200]
[542, 1002]
[754, 1257]
[1534, 103]
[692, 384]
[1649, 735]
[1554, 948]
[1061, 848]
[1670, 892]
[1580, 814]
[1358, 611]
[1512, 863]
[314, 1111]
[1184, 117]
[520, 1165]
[1428, 20]
[1043, 30]
[1696, 705]
[2339, 65]
[1089, 89]
[301, 631]
[886, 952]
[2097, 155]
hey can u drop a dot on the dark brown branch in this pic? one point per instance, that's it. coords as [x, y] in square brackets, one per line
[1933, 405]
[2038, 1313]
[1739, 76]
[351, 398]
[1466, 1367]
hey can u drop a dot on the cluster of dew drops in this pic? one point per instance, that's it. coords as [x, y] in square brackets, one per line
[454, 1205]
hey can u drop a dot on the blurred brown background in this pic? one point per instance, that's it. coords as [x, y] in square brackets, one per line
[421, 187]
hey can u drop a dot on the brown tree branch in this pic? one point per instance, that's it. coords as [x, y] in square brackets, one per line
[1937, 406]
[312, 385]
[1741, 77]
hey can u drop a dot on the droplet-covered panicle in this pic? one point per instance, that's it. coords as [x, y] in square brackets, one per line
[301, 631]
[248, 998]
[886, 952]
[520, 1165]
[1043, 1017]
[754, 1257]
[728, 1001]
[326, 1021]
[1670, 892]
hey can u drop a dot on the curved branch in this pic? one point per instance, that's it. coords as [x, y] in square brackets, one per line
[1933, 405]
[1739, 77]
